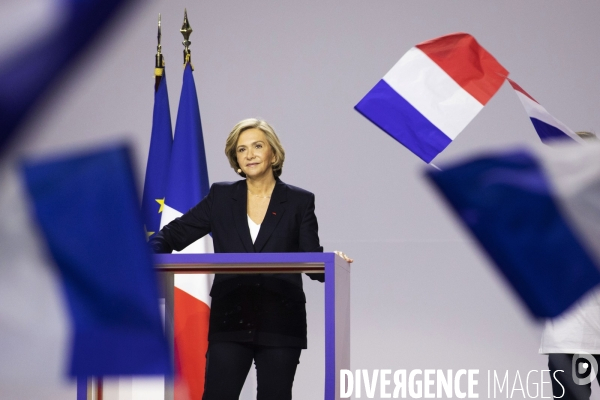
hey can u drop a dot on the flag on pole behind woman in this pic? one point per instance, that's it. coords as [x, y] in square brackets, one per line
[159, 155]
[187, 185]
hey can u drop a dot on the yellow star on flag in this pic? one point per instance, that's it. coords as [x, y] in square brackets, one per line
[162, 204]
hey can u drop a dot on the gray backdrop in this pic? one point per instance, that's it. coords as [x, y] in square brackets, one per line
[423, 294]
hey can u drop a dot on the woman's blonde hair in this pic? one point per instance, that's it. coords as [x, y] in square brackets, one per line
[272, 139]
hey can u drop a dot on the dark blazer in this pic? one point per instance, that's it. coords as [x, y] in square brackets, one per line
[264, 309]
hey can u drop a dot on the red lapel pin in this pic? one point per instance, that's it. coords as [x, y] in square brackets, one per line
[274, 213]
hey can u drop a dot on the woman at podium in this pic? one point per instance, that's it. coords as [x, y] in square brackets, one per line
[253, 317]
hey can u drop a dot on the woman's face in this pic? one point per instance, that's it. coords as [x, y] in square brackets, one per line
[254, 154]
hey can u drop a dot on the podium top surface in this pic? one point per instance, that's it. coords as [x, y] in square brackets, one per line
[244, 262]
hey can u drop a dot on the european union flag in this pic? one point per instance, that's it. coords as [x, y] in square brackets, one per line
[159, 156]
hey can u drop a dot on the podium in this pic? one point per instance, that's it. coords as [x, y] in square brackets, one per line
[337, 297]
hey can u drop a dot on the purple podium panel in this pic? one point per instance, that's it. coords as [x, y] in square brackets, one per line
[337, 294]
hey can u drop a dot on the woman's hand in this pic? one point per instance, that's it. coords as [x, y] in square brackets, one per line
[344, 256]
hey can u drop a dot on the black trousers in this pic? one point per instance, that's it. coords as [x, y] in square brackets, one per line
[228, 363]
[562, 364]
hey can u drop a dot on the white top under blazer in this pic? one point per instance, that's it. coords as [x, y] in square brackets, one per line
[254, 228]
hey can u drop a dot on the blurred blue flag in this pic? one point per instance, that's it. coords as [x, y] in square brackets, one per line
[87, 209]
[536, 216]
[27, 72]
[157, 168]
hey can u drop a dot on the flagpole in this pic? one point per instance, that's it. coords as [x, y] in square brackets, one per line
[159, 61]
[187, 185]
[186, 31]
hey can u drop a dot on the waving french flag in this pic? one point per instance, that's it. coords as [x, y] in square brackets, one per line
[547, 127]
[433, 92]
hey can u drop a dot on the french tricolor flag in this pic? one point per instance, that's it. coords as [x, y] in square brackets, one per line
[547, 127]
[187, 185]
[433, 92]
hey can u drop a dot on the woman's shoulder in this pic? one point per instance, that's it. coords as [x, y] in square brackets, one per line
[296, 191]
[227, 189]
[227, 185]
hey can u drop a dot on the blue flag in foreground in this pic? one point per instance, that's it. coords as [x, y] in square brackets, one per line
[535, 215]
[87, 209]
[159, 156]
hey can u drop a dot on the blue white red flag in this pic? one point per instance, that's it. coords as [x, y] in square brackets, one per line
[547, 127]
[536, 214]
[159, 156]
[187, 185]
[433, 92]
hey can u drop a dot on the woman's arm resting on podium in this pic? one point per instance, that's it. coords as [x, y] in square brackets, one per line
[185, 230]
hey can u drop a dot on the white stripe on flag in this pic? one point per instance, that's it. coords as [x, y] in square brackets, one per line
[197, 285]
[433, 92]
[168, 215]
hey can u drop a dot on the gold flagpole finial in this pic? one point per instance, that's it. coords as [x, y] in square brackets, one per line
[186, 31]
[159, 61]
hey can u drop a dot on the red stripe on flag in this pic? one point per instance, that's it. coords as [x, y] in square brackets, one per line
[469, 64]
[518, 88]
[191, 342]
